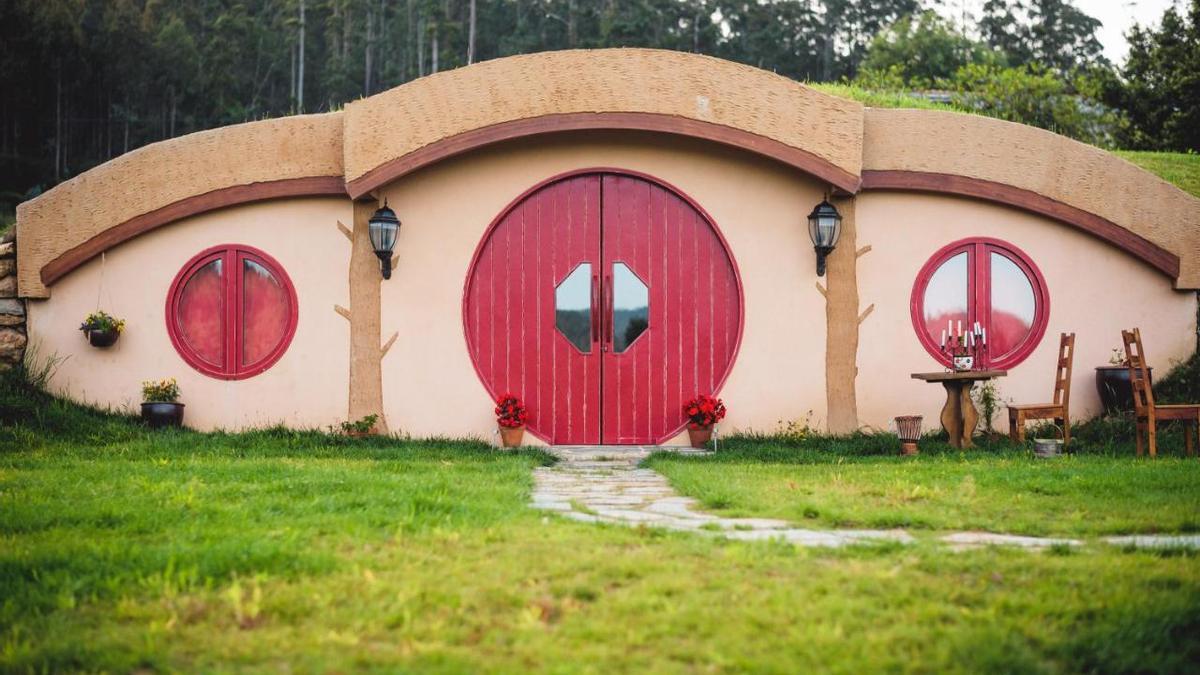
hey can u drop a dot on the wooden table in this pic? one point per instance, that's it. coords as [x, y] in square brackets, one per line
[959, 417]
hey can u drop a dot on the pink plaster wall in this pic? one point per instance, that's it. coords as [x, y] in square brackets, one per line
[1095, 291]
[307, 387]
[430, 387]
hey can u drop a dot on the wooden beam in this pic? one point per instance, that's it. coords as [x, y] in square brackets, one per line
[1026, 200]
[798, 158]
[316, 186]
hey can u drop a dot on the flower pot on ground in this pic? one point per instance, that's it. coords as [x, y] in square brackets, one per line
[510, 418]
[1116, 393]
[703, 413]
[102, 329]
[160, 404]
[699, 437]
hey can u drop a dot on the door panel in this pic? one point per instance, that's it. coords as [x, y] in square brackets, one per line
[511, 309]
[694, 309]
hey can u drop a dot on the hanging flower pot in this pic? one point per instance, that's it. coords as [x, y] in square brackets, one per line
[703, 413]
[510, 417]
[102, 329]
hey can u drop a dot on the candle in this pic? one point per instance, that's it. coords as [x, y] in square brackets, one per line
[970, 339]
[985, 336]
[943, 339]
[960, 327]
[950, 326]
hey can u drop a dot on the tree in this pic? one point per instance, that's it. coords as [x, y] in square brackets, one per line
[1158, 89]
[1053, 33]
[923, 48]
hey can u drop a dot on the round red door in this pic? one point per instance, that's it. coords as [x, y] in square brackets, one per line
[605, 300]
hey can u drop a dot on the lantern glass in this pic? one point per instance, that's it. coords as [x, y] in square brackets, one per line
[825, 225]
[383, 228]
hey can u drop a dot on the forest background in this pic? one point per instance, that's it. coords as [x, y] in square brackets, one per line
[86, 80]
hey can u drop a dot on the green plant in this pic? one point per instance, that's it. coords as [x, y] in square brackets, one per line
[163, 391]
[360, 426]
[987, 397]
[101, 320]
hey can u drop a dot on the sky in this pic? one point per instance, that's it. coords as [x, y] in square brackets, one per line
[1117, 16]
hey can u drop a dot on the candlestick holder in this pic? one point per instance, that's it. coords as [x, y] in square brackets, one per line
[966, 350]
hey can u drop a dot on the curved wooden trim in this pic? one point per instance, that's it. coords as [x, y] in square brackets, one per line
[635, 121]
[978, 188]
[316, 186]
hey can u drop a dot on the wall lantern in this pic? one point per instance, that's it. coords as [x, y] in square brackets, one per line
[824, 226]
[383, 228]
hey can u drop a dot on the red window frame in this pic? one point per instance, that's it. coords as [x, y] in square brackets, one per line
[979, 297]
[232, 256]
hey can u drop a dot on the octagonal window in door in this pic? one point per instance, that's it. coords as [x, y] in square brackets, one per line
[573, 308]
[630, 307]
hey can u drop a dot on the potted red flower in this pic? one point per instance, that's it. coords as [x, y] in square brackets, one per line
[511, 415]
[702, 413]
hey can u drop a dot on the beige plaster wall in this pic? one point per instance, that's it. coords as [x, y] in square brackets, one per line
[306, 387]
[1095, 291]
[1042, 162]
[395, 123]
[430, 386]
[163, 173]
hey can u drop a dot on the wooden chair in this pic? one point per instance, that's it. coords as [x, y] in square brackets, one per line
[1147, 412]
[1060, 409]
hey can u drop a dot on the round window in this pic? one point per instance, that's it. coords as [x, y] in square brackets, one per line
[231, 312]
[988, 281]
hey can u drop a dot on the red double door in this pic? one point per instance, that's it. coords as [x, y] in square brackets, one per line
[605, 301]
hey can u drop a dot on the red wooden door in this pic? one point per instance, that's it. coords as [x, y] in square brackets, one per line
[604, 300]
[672, 308]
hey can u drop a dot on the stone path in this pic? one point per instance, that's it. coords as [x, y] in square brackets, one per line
[606, 485]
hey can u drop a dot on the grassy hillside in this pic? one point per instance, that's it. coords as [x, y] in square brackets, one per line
[1175, 167]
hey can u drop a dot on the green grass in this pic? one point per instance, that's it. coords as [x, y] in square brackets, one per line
[1002, 489]
[123, 549]
[1174, 167]
[883, 99]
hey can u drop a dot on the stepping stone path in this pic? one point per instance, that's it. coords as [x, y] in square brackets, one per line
[606, 485]
[598, 484]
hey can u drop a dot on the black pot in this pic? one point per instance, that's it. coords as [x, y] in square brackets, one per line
[160, 414]
[102, 338]
[1116, 394]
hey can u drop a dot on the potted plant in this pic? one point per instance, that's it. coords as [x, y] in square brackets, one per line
[102, 329]
[702, 412]
[160, 404]
[359, 428]
[511, 416]
[1112, 383]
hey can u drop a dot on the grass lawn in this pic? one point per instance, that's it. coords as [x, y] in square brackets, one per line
[123, 549]
[999, 489]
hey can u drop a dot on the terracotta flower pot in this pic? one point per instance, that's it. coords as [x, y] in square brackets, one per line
[160, 414]
[511, 437]
[102, 338]
[700, 437]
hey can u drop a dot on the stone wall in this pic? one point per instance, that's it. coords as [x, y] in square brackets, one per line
[12, 309]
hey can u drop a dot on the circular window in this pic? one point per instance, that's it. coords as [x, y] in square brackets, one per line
[231, 312]
[984, 280]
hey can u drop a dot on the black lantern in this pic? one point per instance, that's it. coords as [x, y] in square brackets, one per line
[824, 226]
[383, 228]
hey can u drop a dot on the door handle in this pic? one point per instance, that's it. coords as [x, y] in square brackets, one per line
[595, 308]
[608, 310]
